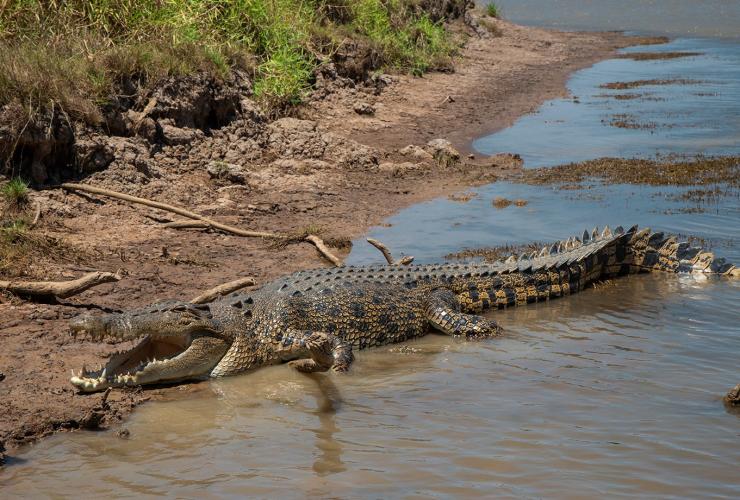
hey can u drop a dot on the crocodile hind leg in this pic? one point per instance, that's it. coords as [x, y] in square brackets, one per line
[319, 351]
[443, 314]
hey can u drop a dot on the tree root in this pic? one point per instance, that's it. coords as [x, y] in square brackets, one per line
[204, 221]
[61, 289]
[403, 261]
[216, 292]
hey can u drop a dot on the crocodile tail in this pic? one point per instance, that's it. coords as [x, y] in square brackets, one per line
[638, 251]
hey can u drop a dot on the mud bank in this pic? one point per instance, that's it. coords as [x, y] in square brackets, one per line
[357, 152]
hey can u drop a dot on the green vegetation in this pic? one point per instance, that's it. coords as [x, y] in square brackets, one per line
[492, 9]
[15, 192]
[74, 57]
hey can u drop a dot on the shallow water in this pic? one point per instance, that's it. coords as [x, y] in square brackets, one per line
[695, 118]
[715, 18]
[612, 391]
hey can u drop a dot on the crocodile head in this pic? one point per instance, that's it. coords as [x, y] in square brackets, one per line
[177, 341]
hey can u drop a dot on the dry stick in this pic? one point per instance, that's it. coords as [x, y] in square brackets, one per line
[61, 289]
[318, 242]
[170, 208]
[37, 215]
[220, 290]
[387, 254]
[186, 224]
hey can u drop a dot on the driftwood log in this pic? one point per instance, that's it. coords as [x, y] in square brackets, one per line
[403, 261]
[216, 292]
[204, 221]
[60, 289]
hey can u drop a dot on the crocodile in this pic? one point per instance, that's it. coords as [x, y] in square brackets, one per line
[315, 319]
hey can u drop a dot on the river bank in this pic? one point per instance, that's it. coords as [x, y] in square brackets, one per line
[337, 167]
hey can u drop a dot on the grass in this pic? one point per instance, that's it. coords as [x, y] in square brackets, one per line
[74, 58]
[15, 192]
[492, 10]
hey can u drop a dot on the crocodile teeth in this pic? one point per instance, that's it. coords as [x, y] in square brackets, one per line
[586, 237]
[606, 233]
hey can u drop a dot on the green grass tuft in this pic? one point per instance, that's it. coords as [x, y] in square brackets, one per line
[15, 192]
[492, 10]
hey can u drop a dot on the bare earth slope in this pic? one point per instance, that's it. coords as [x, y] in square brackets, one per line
[284, 176]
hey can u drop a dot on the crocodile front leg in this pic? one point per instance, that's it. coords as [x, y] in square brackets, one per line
[443, 313]
[319, 351]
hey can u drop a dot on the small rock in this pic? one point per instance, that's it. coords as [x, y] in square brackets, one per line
[733, 397]
[363, 108]
[227, 171]
[174, 135]
[416, 153]
[443, 152]
[147, 128]
[398, 169]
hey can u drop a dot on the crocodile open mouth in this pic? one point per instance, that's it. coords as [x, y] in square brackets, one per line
[131, 367]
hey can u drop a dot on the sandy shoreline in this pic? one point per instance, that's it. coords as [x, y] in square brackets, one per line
[496, 81]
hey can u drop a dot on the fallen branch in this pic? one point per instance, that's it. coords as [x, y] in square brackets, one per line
[319, 244]
[169, 208]
[61, 289]
[204, 221]
[216, 292]
[36, 216]
[187, 224]
[404, 261]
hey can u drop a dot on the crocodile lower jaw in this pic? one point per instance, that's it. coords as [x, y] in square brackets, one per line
[129, 368]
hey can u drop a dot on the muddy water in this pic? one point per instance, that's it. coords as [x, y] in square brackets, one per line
[616, 390]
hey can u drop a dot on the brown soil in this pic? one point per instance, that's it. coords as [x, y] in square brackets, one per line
[333, 170]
